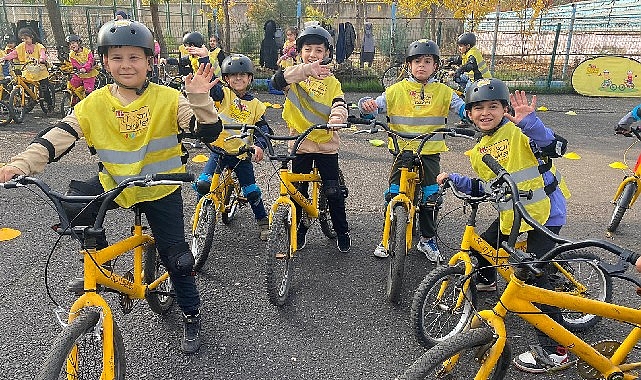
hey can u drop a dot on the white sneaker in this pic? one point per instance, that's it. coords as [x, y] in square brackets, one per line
[430, 249]
[537, 360]
[381, 252]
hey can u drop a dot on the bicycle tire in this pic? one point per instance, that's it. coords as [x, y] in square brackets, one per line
[621, 204]
[15, 101]
[79, 346]
[435, 318]
[471, 345]
[278, 262]
[397, 252]
[65, 104]
[598, 286]
[324, 216]
[393, 74]
[158, 303]
[203, 232]
[45, 106]
[6, 113]
[232, 202]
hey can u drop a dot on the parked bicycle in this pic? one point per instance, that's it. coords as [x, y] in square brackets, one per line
[401, 211]
[628, 191]
[6, 112]
[71, 96]
[90, 345]
[442, 308]
[483, 351]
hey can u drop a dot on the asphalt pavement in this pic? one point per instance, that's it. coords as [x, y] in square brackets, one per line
[338, 324]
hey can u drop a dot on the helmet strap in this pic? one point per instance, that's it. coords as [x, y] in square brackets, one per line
[139, 91]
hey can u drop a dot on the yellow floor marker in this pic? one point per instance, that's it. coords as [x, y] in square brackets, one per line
[8, 234]
[200, 158]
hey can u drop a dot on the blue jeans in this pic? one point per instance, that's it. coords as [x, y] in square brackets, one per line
[244, 170]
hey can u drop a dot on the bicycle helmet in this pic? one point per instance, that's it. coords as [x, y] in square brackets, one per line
[487, 89]
[466, 39]
[314, 34]
[237, 63]
[73, 38]
[125, 33]
[423, 47]
[193, 39]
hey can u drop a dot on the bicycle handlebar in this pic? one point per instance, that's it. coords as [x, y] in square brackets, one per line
[298, 139]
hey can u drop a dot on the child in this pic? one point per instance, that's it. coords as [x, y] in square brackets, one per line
[29, 50]
[216, 54]
[289, 49]
[470, 62]
[523, 146]
[10, 46]
[136, 133]
[82, 60]
[623, 126]
[238, 106]
[188, 58]
[408, 104]
[314, 96]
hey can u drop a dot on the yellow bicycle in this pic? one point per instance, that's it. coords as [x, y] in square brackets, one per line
[27, 92]
[90, 345]
[483, 351]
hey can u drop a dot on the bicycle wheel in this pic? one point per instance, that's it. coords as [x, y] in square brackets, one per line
[77, 351]
[583, 267]
[392, 75]
[16, 104]
[65, 104]
[397, 251]
[435, 317]
[158, 299]
[233, 194]
[203, 232]
[278, 264]
[472, 346]
[47, 98]
[621, 204]
[6, 113]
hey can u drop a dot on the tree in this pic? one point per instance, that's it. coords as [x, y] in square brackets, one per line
[55, 18]
[155, 20]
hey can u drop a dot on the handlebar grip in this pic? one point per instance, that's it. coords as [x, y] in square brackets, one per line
[493, 164]
[629, 256]
[182, 177]
[358, 120]
[465, 132]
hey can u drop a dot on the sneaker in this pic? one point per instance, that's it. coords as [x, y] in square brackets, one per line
[263, 225]
[343, 242]
[481, 287]
[430, 249]
[381, 252]
[537, 360]
[191, 337]
[301, 236]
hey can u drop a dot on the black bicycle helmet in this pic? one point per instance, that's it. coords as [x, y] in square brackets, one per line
[237, 63]
[487, 89]
[193, 39]
[73, 38]
[125, 33]
[423, 47]
[314, 34]
[466, 39]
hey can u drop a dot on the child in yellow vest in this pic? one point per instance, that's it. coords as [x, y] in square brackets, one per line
[524, 146]
[472, 66]
[314, 96]
[238, 106]
[83, 61]
[134, 126]
[408, 104]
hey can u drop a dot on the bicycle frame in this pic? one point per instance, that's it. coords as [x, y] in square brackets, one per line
[405, 196]
[217, 191]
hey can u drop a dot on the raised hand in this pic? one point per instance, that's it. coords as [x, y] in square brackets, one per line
[200, 81]
[521, 106]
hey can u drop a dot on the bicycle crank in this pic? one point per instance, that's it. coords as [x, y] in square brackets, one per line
[126, 302]
[605, 348]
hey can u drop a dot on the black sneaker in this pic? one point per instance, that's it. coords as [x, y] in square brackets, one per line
[343, 242]
[301, 236]
[191, 337]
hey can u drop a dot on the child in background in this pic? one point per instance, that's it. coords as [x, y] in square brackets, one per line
[83, 61]
[315, 96]
[289, 49]
[472, 66]
[525, 148]
[216, 54]
[418, 104]
[238, 106]
[9, 47]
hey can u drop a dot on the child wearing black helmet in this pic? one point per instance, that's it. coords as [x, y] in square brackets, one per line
[521, 144]
[238, 106]
[472, 66]
[418, 104]
[134, 127]
[83, 62]
[315, 96]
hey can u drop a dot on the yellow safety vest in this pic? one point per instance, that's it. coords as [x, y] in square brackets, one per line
[35, 73]
[416, 108]
[511, 148]
[81, 57]
[138, 139]
[213, 59]
[309, 103]
[234, 110]
[480, 63]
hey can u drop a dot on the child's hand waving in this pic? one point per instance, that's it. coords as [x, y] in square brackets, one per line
[521, 106]
[200, 82]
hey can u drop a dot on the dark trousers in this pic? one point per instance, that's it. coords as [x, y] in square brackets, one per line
[244, 170]
[327, 165]
[538, 244]
[165, 217]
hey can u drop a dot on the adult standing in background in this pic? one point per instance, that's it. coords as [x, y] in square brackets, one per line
[216, 54]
